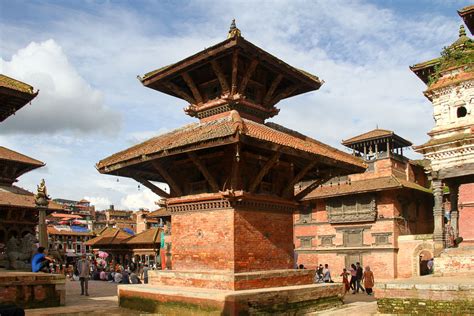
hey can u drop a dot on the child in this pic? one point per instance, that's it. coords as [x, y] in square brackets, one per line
[345, 280]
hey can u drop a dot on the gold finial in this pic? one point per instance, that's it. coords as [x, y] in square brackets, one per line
[462, 31]
[233, 30]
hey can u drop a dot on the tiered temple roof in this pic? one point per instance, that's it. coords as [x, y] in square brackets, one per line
[14, 95]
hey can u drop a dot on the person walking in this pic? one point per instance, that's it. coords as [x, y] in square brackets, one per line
[145, 273]
[369, 281]
[353, 281]
[359, 275]
[83, 266]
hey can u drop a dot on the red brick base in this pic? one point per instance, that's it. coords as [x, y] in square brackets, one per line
[232, 281]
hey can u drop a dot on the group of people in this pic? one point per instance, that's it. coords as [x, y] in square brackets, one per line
[357, 276]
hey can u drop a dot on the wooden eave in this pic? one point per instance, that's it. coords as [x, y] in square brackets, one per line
[467, 14]
[12, 100]
[397, 141]
[119, 168]
[156, 79]
[425, 69]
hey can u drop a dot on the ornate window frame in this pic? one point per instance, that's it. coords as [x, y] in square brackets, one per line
[352, 209]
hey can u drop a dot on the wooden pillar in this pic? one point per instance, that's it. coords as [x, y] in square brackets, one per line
[388, 148]
[454, 198]
[365, 152]
[376, 150]
[42, 229]
[438, 213]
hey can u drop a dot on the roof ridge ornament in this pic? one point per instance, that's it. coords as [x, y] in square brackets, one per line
[462, 31]
[233, 30]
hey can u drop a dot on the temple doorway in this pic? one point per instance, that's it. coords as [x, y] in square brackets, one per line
[424, 256]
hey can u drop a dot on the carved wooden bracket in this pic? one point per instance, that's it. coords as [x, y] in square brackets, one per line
[192, 86]
[268, 165]
[175, 189]
[205, 172]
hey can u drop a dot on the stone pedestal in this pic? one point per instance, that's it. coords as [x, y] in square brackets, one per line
[288, 300]
[32, 290]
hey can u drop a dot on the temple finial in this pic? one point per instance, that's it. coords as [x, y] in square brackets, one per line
[462, 31]
[233, 30]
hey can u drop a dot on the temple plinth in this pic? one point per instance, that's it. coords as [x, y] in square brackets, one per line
[232, 180]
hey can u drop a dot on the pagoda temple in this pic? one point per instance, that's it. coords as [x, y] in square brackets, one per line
[367, 217]
[449, 81]
[232, 178]
[14, 95]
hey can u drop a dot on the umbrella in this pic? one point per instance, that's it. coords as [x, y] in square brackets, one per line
[103, 254]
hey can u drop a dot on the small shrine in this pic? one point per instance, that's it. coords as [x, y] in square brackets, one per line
[232, 178]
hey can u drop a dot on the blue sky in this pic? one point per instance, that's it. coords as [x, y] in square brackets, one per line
[84, 57]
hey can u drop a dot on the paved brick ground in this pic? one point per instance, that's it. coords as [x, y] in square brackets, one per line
[102, 300]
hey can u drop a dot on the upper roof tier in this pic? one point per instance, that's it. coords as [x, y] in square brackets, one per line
[15, 164]
[233, 74]
[376, 136]
[467, 14]
[459, 54]
[14, 95]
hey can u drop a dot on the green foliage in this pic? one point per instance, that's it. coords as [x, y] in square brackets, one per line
[456, 55]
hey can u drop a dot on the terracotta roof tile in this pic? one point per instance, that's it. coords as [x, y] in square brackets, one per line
[17, 197]
[8, 154]
[159, 213]
[14, 84]
[109, 236]
[363, 186]
[224, 128]
[189, 134]
[149, 236]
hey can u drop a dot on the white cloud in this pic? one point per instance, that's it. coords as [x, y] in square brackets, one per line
[142, 199]
[100, 203]
[65, 101]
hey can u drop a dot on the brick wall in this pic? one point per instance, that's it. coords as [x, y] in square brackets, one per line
[203, 241]
[466, 214]
[263, 240]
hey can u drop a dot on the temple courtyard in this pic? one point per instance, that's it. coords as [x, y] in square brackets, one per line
[103, 299]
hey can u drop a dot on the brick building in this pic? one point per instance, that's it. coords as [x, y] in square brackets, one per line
[111, 217]
[359, 217]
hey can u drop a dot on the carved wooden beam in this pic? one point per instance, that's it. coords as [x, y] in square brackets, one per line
[220, 75]
[179, 92]
[192, 86]
[205, 172]
[313, 185]
[283, 94]
[248, 74]
[175, 189]
[271, 90]
[298, 177]
[235, 65]
[152, 187]
[258, 178]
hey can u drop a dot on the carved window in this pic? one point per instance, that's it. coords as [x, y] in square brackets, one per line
[353, 237]
[305, 214]
[327, 240]
[351, 209]
[461, 112]
[306, 241]
[381, 238]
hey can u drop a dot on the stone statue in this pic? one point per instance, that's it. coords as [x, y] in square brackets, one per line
[19, 252]
[41, 197]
